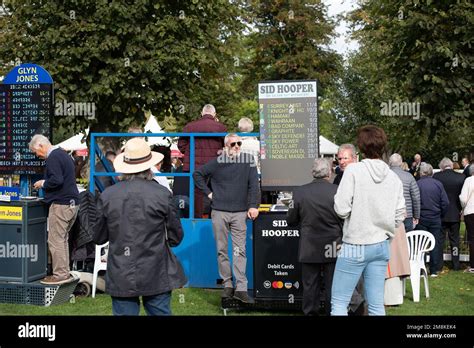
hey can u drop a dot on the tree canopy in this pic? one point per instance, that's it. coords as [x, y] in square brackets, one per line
[417, 52]
[170, 57]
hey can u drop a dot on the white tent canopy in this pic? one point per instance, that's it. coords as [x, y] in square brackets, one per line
[152, 126]
[75, 143]
[327, 147]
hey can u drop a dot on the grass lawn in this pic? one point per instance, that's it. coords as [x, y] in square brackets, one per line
[452, 293]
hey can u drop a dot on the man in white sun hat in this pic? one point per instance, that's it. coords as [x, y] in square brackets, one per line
[135, 216]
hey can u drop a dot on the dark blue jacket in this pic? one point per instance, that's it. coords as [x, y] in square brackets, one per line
[234, 182]
[313, 208]
[452, 183]
[60, 179]
[434, 200]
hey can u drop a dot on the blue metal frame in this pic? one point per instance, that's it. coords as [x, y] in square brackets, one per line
[191, 136]
[197, 251]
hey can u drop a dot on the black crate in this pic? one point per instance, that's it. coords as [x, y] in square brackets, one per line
[36, 294]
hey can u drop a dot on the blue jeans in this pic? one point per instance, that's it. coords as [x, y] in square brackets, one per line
[154, 305]
[370, 261]
[436, 255]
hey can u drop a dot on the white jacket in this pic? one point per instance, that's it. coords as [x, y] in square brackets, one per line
[467, 196]
[370, 199]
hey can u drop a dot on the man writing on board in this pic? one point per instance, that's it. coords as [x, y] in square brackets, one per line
[234, 183]
[60, 192]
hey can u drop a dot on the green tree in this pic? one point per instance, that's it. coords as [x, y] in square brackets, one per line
[289, 40]
[415, 51]
[167, 56]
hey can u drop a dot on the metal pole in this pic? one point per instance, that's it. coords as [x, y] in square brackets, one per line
[92, 166]
[191, 180]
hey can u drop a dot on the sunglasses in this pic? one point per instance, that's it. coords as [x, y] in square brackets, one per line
[236, 143]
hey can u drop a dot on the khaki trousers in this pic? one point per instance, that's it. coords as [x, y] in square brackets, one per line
[60, 221]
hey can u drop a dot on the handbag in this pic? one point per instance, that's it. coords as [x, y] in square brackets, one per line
[176, 276]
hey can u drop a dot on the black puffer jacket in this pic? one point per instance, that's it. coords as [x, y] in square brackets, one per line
[132, 216]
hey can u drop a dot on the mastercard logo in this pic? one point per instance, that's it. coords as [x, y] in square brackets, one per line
[277, 285]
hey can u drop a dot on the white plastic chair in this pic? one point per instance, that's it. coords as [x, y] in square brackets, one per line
[419, 243]
[100, 264]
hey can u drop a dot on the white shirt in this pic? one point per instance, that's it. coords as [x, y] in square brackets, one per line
[160, 179]
[467, 196]
[251, 145]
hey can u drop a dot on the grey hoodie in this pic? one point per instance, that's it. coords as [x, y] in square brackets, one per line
[370, 199]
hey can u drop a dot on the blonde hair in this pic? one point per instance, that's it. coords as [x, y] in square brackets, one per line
[245, 125]
[208, 109]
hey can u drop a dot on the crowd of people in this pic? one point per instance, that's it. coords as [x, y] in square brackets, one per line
[360, 207]
[376, 204]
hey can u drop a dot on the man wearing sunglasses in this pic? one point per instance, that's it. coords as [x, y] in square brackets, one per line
[234, 182]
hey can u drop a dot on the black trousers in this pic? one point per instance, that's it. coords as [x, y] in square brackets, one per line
[469, 221]
[452, 229]
[312, 275]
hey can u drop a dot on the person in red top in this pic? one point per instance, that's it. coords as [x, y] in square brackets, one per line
[205, 149]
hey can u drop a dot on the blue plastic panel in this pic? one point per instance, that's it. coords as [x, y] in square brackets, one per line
[198, 255]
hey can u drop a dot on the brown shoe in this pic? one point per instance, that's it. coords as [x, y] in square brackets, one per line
[243, 296]
[54, 280]
[227, 293]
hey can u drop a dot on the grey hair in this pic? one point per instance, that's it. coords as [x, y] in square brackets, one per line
[146, 174]
[38, 139]
[230, 135]
[348, 147]
[321, 168]
[245, 125]
[471, 169]
[208, 109]
[395, 160]
[426, 169]
[445, 163]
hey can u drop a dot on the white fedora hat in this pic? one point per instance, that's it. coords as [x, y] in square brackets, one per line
[136, 157]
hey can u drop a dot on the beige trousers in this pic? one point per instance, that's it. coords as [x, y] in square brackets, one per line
[60, 220]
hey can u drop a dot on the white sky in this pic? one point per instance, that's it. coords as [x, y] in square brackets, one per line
[342, 44]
